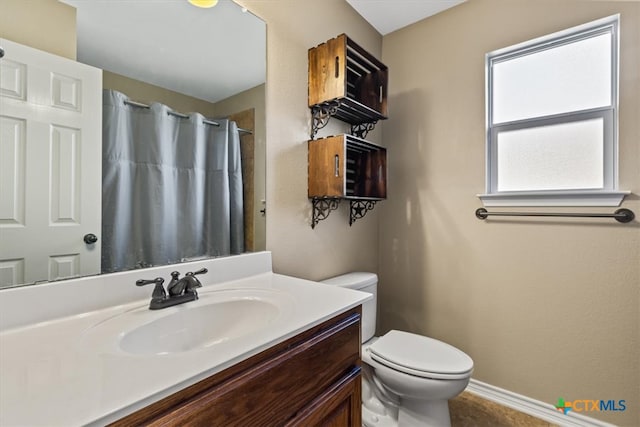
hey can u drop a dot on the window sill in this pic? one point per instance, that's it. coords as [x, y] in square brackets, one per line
[553, 198]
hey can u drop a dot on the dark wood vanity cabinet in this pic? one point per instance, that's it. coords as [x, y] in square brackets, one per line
[312, 379]
[347, 167]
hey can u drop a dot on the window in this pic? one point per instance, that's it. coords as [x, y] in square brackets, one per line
[551, 119]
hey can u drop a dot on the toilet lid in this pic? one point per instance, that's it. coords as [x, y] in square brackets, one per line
[421, 356]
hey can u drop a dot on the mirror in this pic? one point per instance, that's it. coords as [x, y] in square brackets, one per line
[210, 61]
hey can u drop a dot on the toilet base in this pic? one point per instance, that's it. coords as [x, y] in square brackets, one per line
[424, 413]
[373, 419]
[376, 410]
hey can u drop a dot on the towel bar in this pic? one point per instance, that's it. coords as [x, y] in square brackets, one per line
[620, 215]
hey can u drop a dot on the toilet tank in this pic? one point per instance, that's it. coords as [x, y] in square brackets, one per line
[365, 282]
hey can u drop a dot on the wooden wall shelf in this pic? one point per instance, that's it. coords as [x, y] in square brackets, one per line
[350, 84]
[345, 167]
[346, 82]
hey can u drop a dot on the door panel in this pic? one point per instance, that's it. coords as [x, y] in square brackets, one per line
[51, 166]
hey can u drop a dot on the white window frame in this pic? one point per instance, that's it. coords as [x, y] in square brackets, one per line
[609, 195]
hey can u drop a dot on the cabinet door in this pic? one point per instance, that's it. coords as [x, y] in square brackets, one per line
[339, 406]
[327, 167]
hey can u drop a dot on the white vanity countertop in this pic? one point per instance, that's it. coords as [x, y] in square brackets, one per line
[63, 372]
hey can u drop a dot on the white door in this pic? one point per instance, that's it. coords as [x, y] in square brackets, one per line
[50, 166]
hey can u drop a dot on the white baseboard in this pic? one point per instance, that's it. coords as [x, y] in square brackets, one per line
[536, 408]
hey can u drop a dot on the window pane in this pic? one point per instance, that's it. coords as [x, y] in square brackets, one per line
[571, 77]
[555, 157]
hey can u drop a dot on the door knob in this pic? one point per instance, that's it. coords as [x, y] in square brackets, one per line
[90, 238]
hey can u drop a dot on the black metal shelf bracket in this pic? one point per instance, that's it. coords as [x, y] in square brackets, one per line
[621, 215]
[321, 113]
[359, 208]
[361, 130]
[361, 121]
[322, 207]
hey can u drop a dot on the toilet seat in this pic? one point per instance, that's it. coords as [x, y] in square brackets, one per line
[420, 356]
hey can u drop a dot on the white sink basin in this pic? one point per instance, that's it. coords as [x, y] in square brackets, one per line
[217, 317]
[198, 327]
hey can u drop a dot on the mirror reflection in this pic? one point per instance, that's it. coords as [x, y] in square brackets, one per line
[174, 95]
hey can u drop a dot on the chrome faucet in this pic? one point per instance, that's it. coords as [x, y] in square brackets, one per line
[178, 291]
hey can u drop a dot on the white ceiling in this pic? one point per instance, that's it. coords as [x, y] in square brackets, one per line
[387, 16]
[210, 54]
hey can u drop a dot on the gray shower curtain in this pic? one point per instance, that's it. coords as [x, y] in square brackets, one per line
[172, 187]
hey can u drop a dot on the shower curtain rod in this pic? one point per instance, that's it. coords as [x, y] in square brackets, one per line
[182, 116]
[173, 113]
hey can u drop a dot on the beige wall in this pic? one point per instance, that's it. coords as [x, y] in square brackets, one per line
[333, 247]
[546, 308]
[42, 24]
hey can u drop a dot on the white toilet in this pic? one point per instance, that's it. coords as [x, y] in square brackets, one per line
[407, 378]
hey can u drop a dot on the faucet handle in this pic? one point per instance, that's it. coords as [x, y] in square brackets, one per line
[158, 291]
[201, 271]
[193, 282]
